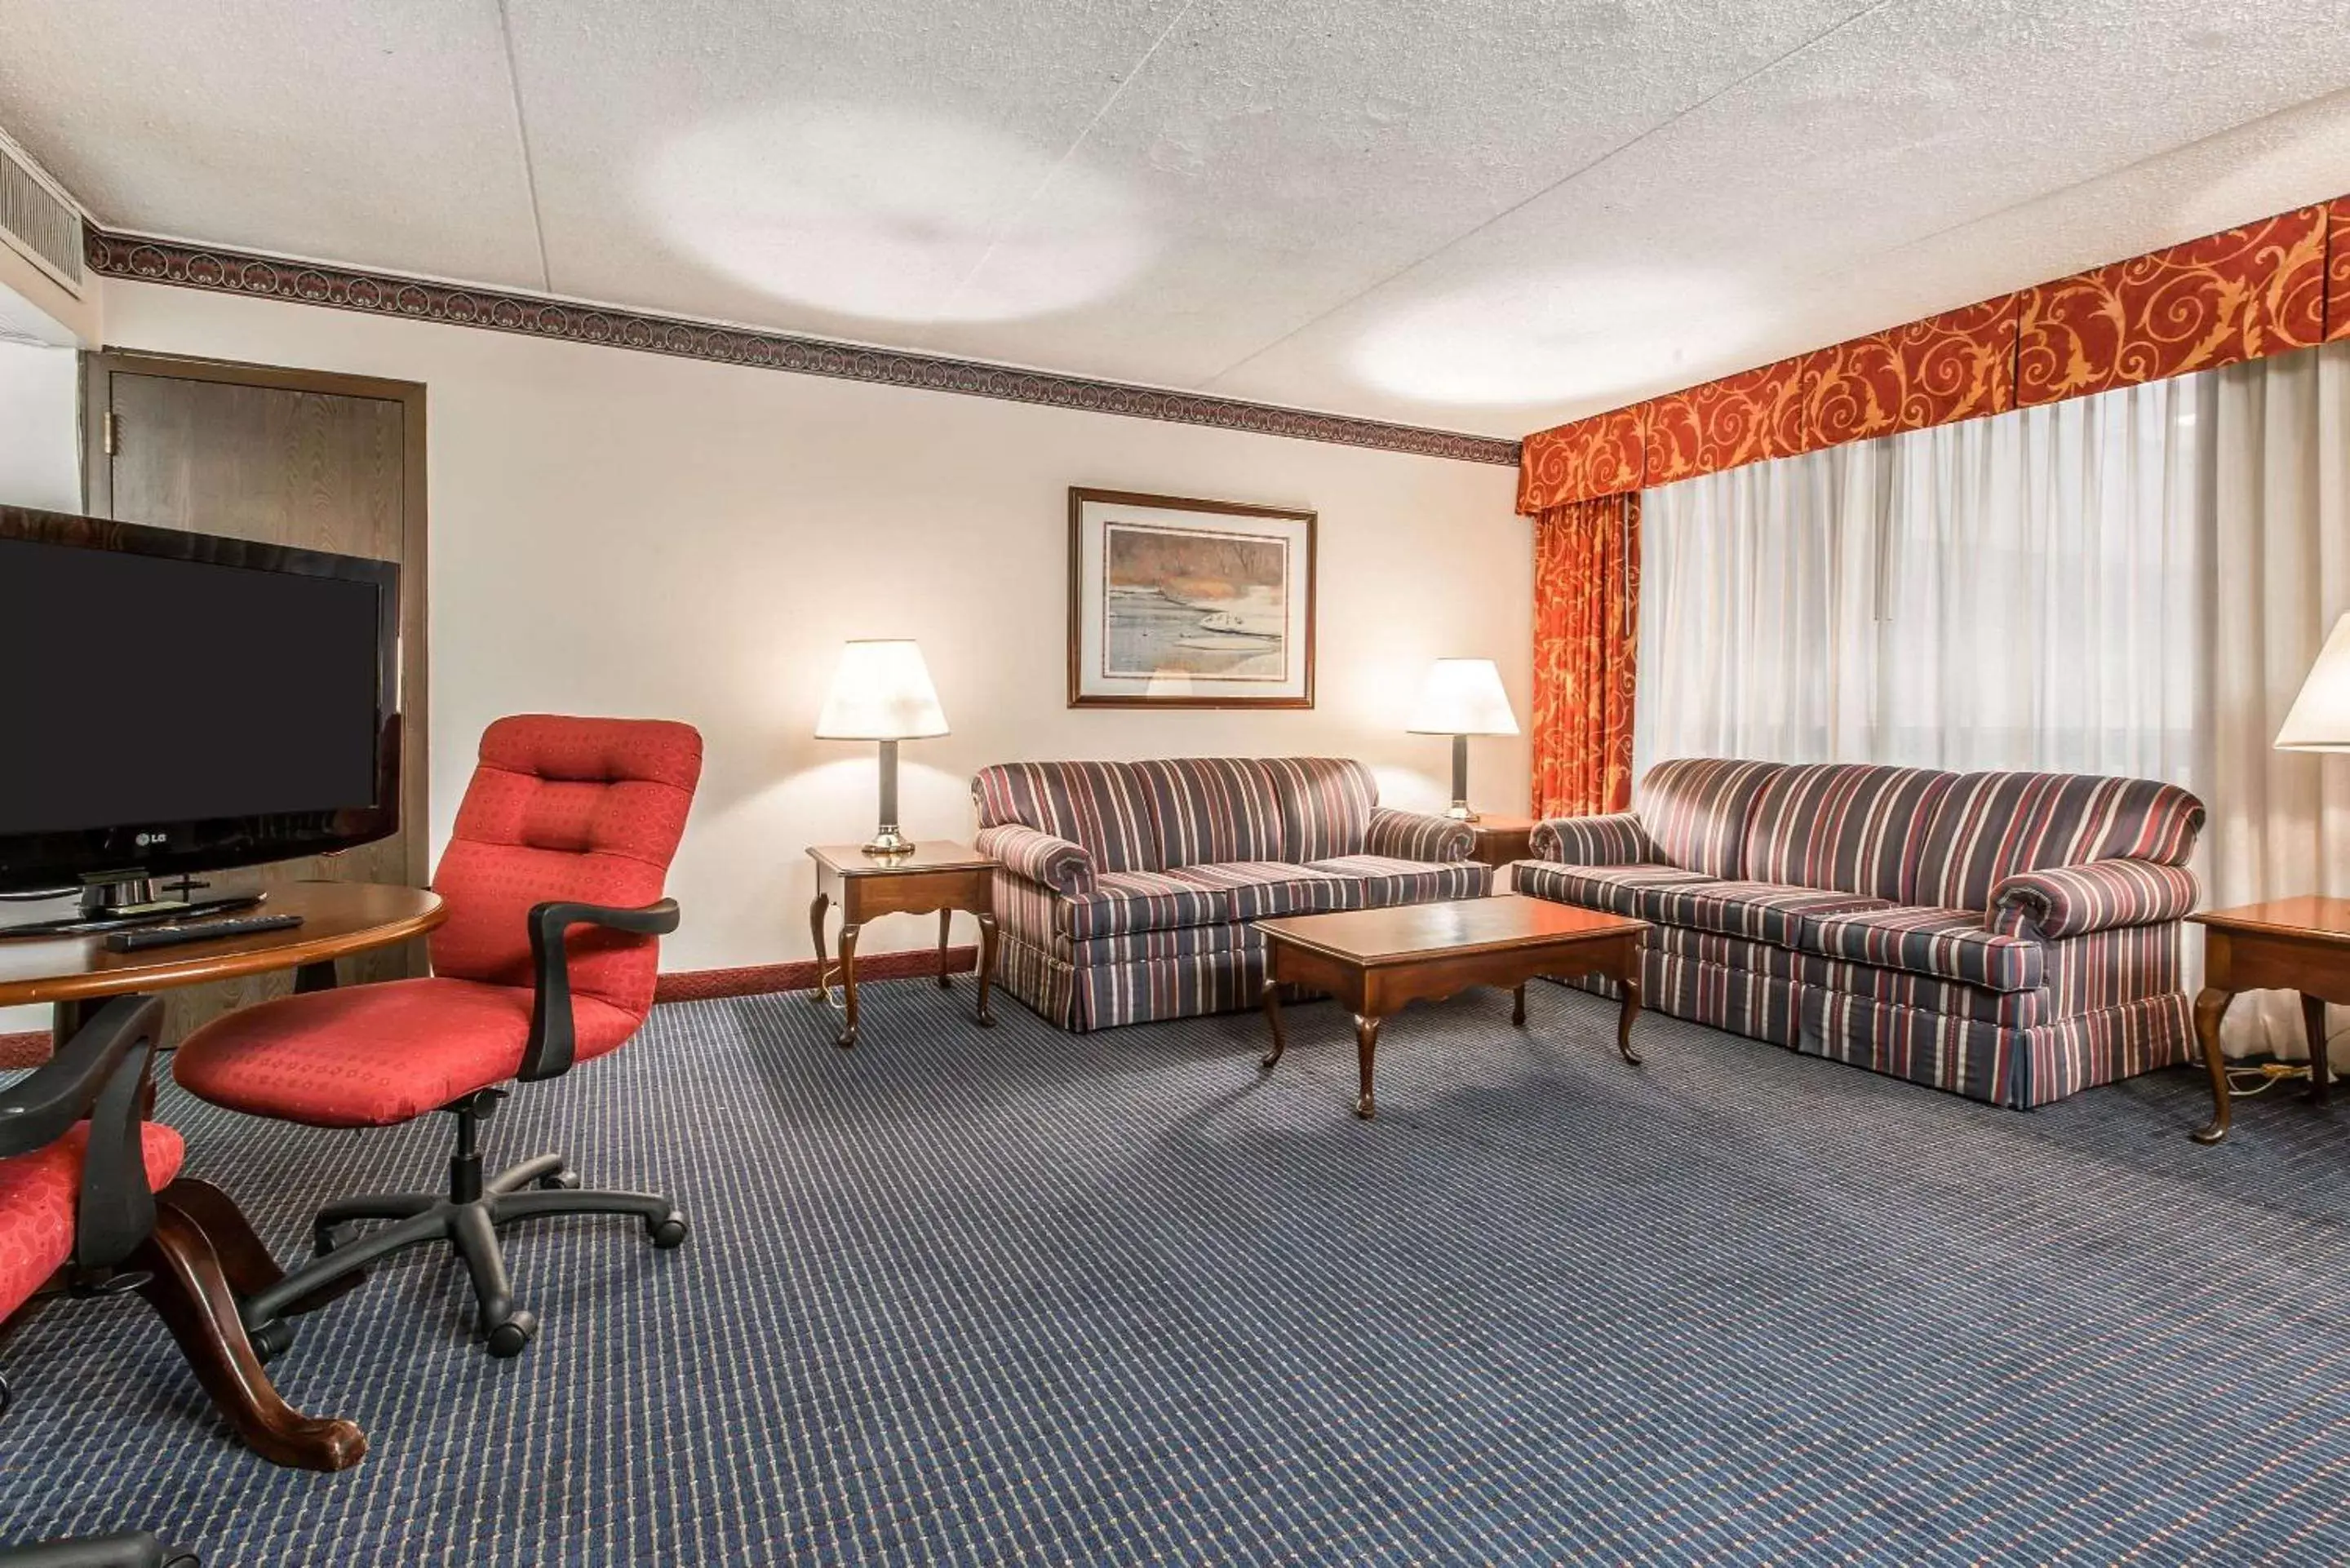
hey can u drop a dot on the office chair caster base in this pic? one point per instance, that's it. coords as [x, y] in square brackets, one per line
[271, 1340]
[667, 1231]
[512, 1337]
[561, 1181]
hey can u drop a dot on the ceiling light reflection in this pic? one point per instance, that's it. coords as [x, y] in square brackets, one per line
[1561, 336]
[878, 212]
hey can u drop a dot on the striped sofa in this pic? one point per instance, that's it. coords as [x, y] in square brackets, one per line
[1126, 890]
[2011, 937]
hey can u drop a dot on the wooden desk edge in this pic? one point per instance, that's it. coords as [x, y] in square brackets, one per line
[192, 965]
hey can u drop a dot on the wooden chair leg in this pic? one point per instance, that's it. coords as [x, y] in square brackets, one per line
[194, 1275]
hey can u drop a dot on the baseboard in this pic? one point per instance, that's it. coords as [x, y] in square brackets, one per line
[31, 1047]
[758, 980]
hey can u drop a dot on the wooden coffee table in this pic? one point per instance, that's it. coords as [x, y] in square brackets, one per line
[1376, 960]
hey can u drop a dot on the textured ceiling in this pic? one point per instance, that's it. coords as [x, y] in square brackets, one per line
[1486, 215]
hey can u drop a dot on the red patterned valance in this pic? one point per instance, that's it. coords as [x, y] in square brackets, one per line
[1944, 369]
[2337, 270]
[2264, 289]
[1746, 418]
[1597, 456]
[2241, 295]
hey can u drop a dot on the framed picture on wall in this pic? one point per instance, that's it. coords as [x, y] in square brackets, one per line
[1189, 604]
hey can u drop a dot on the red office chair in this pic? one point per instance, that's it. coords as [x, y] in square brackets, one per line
[79, 1164]
[568, 825]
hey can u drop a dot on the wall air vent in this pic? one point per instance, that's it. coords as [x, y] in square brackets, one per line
[37, 219]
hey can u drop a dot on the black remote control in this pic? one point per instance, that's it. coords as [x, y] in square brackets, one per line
[143, 937]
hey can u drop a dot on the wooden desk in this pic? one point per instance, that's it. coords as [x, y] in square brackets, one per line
[203, 1255]
[933, 875]
[2287, 944]
[339, 920]
[1375, 961]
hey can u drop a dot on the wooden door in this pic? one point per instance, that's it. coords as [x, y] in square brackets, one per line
[283, 457]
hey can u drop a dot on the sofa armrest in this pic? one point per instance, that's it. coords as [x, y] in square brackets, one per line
[1614, 840]
[1055, 863]
[2071, 900]
[1418, 835]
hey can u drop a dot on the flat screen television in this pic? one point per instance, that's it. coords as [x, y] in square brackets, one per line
[174, 703]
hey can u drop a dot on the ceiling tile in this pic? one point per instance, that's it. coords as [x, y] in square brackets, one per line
[378, 134]
[1769, 221]
[1489, 215]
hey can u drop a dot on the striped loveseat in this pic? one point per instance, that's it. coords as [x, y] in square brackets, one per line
[1127, 890]
[2010, 936]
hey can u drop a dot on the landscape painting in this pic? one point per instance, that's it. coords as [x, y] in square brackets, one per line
[1189, 603]
[1177, 601]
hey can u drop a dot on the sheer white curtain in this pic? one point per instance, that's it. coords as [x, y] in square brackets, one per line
[2013, 592]
[2280, 576]
[2134, 583]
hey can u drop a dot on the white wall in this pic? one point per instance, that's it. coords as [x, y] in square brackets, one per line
[40, 448]
[620, 532]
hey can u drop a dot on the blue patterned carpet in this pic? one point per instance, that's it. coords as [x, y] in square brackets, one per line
[974, 1297]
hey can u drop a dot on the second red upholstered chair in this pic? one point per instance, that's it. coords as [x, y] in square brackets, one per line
[554, 881]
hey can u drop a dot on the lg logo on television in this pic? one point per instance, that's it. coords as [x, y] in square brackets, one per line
[144, 839]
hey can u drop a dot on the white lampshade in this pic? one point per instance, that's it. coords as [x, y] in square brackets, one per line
[881, 691]
[2320, 719]
[1463, 697]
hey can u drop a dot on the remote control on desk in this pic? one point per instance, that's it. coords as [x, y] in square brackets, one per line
[141, 937]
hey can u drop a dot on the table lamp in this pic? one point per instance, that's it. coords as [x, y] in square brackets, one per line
[881, 691]
[1460, 698]
[2320, 717]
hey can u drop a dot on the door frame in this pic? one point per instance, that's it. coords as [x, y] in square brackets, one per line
[99, 367]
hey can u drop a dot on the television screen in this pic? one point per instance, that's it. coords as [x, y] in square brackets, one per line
[170, 699]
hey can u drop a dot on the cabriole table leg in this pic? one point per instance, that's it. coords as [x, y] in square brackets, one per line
[2209, 1008]
[1367, 1049]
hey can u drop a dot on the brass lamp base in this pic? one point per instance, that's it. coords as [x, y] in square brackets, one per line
[888, 844]
[1459, 812]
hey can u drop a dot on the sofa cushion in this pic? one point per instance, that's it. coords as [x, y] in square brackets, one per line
[1990, 826]
[1326, 806]
[1125, 901]
[1207, 810]
[1380, 880]
[1953, 944]
[1762, 912]
[1696, 810]
[1256, 888]
[1099, 806]
[1610, 887]
[1858, 827]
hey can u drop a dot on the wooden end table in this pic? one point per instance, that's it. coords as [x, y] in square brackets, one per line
[2287, 944]
[1502, 843]
[933, 874]
[1502, 840]
[1375, 961]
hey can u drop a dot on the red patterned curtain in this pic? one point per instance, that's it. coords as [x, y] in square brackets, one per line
[1586, 626]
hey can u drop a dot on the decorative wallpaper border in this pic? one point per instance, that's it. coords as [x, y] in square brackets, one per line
[147, 260]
